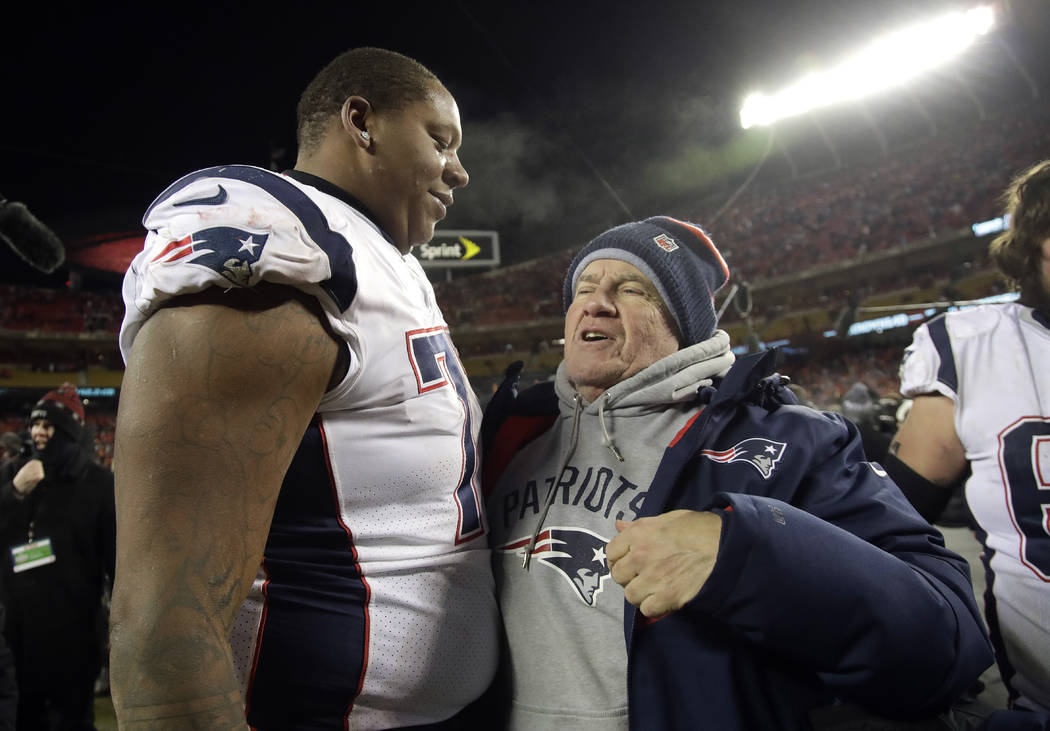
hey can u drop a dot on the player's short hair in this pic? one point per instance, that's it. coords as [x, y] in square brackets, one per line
[387, 79]
[1017, 251]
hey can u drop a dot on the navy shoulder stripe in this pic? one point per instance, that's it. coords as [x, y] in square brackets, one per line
[342, 285]
[946, 374]
[1041, 319]
[312, 650]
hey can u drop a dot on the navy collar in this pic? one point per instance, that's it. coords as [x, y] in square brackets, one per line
[336, 192]
[744, 375]
[1041, 318]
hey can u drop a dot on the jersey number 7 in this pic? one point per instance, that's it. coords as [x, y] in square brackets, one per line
[436, 365]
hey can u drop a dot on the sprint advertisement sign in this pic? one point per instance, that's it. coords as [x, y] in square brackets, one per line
[459, 249]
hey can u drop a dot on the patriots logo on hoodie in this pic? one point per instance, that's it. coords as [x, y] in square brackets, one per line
[762, 454]
[575, 553]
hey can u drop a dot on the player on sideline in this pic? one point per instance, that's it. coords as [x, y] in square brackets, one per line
[300, 539]
[981, 393]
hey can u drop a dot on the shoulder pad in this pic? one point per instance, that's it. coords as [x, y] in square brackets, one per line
[245, 225]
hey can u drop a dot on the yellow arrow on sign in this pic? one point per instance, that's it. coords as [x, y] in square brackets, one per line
[470, 246]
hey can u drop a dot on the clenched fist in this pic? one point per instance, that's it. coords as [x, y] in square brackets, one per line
[663, 561]
[29, 477]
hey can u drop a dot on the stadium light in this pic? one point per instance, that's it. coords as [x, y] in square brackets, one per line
[887, 62]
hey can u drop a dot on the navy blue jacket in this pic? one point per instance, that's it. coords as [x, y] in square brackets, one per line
[828, 586]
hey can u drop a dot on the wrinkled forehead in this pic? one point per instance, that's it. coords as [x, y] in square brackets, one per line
[617, 272]
[620, 271]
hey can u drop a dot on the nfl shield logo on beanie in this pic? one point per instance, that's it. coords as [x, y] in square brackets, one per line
[665, 242]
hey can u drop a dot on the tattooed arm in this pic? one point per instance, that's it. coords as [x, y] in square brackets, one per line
[214, 402]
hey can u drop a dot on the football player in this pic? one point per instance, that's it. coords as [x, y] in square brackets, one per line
[981, 412]
[301, 541]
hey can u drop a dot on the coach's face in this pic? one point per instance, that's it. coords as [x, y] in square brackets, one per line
[616, 325]
[415, 166]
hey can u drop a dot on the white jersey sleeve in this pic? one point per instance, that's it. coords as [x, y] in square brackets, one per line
[928, 365]
[236, 226]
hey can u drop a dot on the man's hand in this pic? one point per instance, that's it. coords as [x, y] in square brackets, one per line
[29, 477]
[662, 562]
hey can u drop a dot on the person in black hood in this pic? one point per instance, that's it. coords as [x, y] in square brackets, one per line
[860, 404]
[58, 526]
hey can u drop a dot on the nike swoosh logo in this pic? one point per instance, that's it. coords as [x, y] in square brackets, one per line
[214, 200]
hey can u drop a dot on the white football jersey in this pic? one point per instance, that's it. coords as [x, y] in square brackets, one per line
[992, 362]
[374, 604]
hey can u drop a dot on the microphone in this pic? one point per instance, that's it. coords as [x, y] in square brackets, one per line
[34, 242]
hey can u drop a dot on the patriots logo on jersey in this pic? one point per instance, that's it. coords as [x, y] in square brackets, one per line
[229, 251]
[575, 553]
[762, 454]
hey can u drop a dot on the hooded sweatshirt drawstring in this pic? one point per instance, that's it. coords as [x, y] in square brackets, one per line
[606, 439]
[676, 379]
[566, 456]
[564, 462]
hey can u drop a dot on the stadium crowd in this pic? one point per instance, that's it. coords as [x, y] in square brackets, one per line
[59, 310]
[919, 193]
[826, 379]
[771, 231]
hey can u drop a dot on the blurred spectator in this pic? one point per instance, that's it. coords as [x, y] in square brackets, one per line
[13, 459]
[860, 405]
[8, 684]
[828, 373]
[57, 523]
[100, 425]
[802, 395]
[59, 310]
[14, 448]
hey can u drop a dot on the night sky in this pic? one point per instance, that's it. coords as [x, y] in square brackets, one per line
[574, 113]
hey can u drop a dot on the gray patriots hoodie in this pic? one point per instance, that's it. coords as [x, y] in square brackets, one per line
[550, 515]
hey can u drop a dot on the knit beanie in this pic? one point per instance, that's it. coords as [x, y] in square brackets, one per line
[676, 256]
[62, 407]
